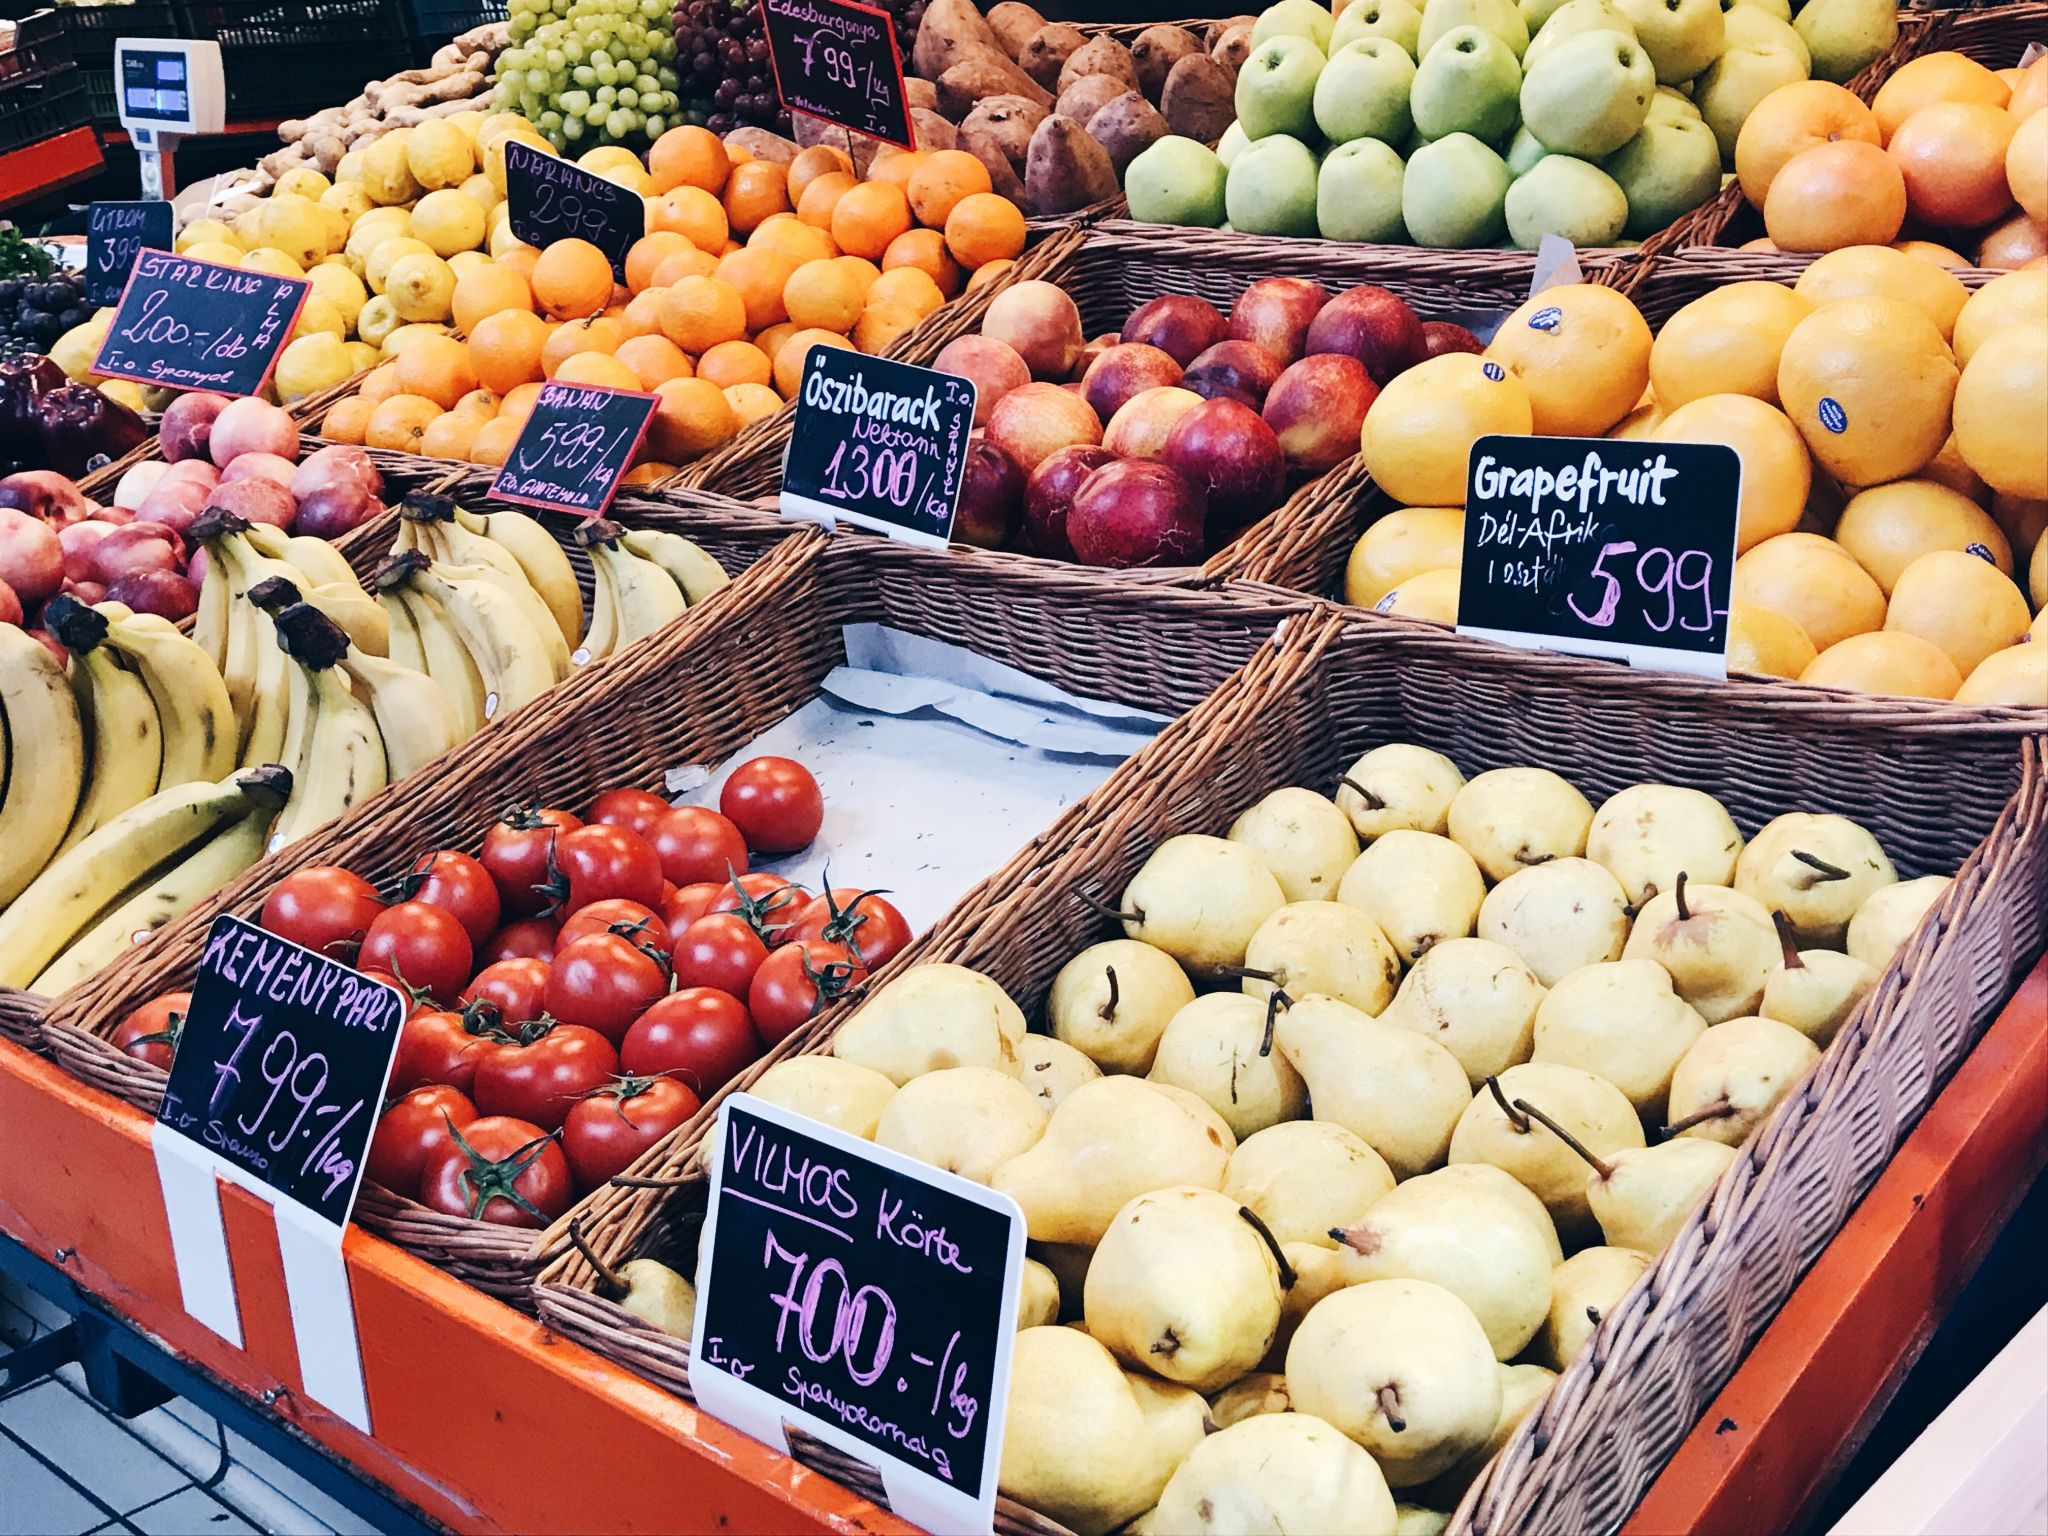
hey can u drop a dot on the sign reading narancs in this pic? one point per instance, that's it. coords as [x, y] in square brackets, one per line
[865, 1296]
[1602, 547]
[840, 61]
[188, 324]
[574, 448]
[552, 199]
[115, 234]
[878, 443]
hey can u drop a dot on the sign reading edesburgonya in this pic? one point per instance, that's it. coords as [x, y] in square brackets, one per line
[840, 61]
[1602, 547]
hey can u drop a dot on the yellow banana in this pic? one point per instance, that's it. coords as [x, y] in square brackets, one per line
[510, 653]
[414, 716]
[343, 761]
[644, 596]
[127, 744]
[210, 624]
[547, 567]
[694, 571]
[45, 759]
[442, 655]
[192, 702]
[349, 606]
[602, 638]
[269, 674]
[516, 587]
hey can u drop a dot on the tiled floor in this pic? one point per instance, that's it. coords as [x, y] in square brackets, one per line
[69, 1467]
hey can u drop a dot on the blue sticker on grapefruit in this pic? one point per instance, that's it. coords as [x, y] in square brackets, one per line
[1832, 416]
[1493, 371]
[1546, 319]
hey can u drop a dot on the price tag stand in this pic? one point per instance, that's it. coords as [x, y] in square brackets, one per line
[839, 61]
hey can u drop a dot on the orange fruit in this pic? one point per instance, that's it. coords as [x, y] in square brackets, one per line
[494, 439]
[437, 367]
[983, 227]
[1886, 661]
[505, 348]
[693, 417]
[2026, 163]
[647, 472]
[770, 341]
[881, 326]
[518, 258]
[925, 249]
[821, 195]
[787, 235]
[400, 423]
[1842, 193]
[758, 275]
[450, 436]
[735, 362]
[1776, 472]
[987, 272]
[789, 361]
[863, 271]
[379, 384]
[1585, 366]
[642, 317]
[519, 402]
[599, 335]
[894, 167]
[598, 368]
[824, 294]
[347, 420]
[754, 191]
[1928, 250]
[1952, 156]
[700, 312]
[648, 252]
[867, 217]
[1888, 527]
[818, 160]
[1765, 642]
[2020, 241]
[693, 157]
[653, 358]
[1859, 270]
[690, 263]
[692, 213]
[1868, 382]
[572, 279]
[1791, 119]
[1930, 78]
[752, 402]
[941, 182]
[909, 288]
[1963, 604]
[479, 402]
[485, 291]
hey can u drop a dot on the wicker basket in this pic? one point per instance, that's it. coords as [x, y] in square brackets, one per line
[1340, 684]
[695, 694]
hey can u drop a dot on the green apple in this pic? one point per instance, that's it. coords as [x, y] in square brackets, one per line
[1467, 83]
[1524, 152]
[1276, 89]
[1668, 169]
[1232, 141]
[1296, 18]
[1271, 187]
[1569, 20]
[1565, 196]
[1682, 37]
[1363, 92]
[1440, 18]
[1453, 193]
[1844, 35]
[1734, 83]
[1590, 95]
[1398, 21]
[1176, 180]
[1358, 193]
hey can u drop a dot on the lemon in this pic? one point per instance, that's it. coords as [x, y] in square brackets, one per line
[1812, 582]
[291, 224]
[406, 335]
[2014, 299]
[1399, 546]
[1965, 605]
[468, 122]
[204, 232]
[247, 227]
[378, 320]
[371, 231]
[607, 157]
[1431, 595]
[439, 154]
[1776, 472]
[462, 263]
[1726, 343]
[1885, 662]
[302, 181]
[310, 364]
[79, 348]
[494, 152]
[387, 172]
[1420, 431]
[349, 198]
[318, 316]
[1858, 270]
[479, 188]
[361, 355]
[421, 288]
[129, 393]
[1766, 642]
[503, 241]
[1888, 527]
[340, 287]
[448, 221]
[2001, 411]
[268, 258]
[388, 253]
[2016, 675]
[224, 252]
[1868, 383]
[349, 167]
[1583, 354]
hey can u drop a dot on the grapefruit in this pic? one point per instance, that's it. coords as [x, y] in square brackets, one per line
[1868, 382]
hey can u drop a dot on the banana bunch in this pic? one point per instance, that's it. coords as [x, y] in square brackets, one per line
[135, 873]
[644, 579]
[139, 708]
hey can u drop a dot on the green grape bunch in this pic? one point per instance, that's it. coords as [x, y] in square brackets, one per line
[590, 72]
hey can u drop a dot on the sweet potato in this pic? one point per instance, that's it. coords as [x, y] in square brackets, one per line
[763, 145]
[998, 134]
[1155, 53]
[1083, 98]
[1232, 49]
[1046, 51]
[932, 131]
[1230, 24]
[1066, 169]
[1124, 127]
[950, 30]
[1013, 22]
[1200, 99]
[920, 93]
[984, 73]
[1100, 56]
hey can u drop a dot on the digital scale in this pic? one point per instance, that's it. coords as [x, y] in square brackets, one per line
[168, 88]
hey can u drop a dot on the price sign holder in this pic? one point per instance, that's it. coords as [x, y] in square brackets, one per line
[837, 60]
[189, 324]
[879, 443]
[115, 234]
[276, 1087]
[551, 199]
[864, 1296]
[575, 447]
[1602, 547]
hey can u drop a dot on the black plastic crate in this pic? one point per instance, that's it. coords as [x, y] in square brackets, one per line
[240, 24]
[297, 80]
[93, 30]
[32, 110]
[37, 47]
[436, 21]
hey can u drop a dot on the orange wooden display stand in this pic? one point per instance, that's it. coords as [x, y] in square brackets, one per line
[488, 1422]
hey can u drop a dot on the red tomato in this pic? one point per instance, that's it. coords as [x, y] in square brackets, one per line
[501, 1170]
[151, 1032]
[607, 1131]
[458, 884]
[516, 988]
[530, 938]
[700, 1036]
[695, 844]
[516, 851]
[600, 863]
[685, 907]
[323, 908]
[605, 982]
[599, 917]
[775, 803]
[795, 982]
[767, 903]
[861, 920]
[437, 1046]
[538, 1073]
[634, 809]
[719, 950]
[412, 1129]
[425, 947]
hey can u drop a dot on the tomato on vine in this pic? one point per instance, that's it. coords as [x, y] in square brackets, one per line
[604, 981]
[634, 809]
[599, 863]
[322, 907]
[538, 1071]
[516, 853]
[697, 844]
[438, 1045]
[721, 950]
[425, 947]
[766, 902]
[798, 980]
[516, 988]
[601, 916]
[861, 920]
[700, 1036]
[151, 1032]
[458, 885]
[775, 803]
[500, 1170]
[412, 1130]
[607, 1130]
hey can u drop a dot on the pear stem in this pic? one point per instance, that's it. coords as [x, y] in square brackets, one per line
[1604, 1169]
[1107, 1012]
[1516, 1118]
[1275, 1001]
[1814, 861]
[1787, 943]
[1287, 1274]
[1372, 801]
[1247, 973]
[1720, 1109]
[1390, 1405]
[608, 1277]
[1678, 896]
[1108, 910]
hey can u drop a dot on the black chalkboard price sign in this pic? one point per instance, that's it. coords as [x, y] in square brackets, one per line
[552, 200]
[1602, 547]
[115, 234]
[878, 443]
[574, 448]
[865, 1296]
[189, 324]
[840, 61]
[281, 1066]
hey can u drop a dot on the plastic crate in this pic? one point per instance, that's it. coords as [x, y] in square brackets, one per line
[243, 24]
[297, 79]
[39, 108]
[37, 47]
[434, 22]
[92, 31]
